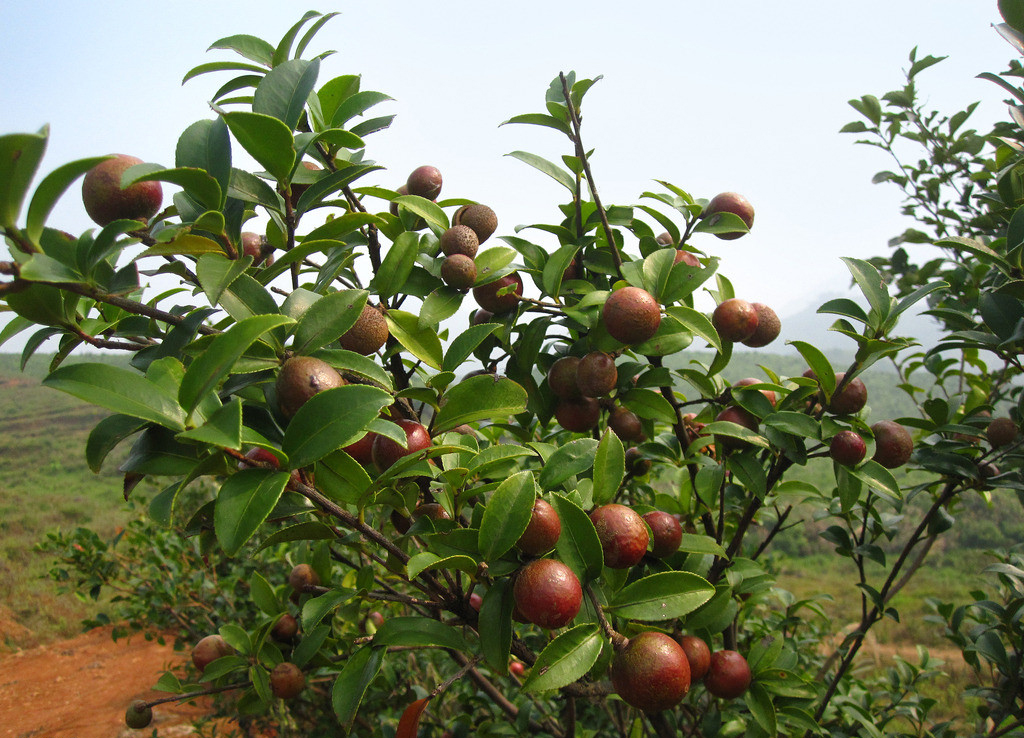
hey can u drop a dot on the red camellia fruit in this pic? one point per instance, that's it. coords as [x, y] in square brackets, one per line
[542, 532]
[208, 650]
[893, 444]
[698, 654]
[547, 593]
[578, 416]
[768, 326]
[362, 450]
[735, 320]
[651, 672]
[106, 202]
[287, 680]
[631, 315]
[387, 452]
[623, 535]
[731, 202]
[516, 668]
[847, 448]
[665, 531]
[728, 675]
[487, 297]
[424, 181]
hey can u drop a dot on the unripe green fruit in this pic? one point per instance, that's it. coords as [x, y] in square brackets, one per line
[138, 715]
[458, 271]
[106, 202]
[300, 378]
[651, 672]
[287, 680]
[631, 315]
[547, 593]
[368, 334]
[622, 533]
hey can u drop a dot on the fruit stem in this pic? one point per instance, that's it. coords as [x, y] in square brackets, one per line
[618, 640]
[581, 154]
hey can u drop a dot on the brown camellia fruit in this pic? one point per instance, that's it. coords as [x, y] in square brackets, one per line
[1001, 432]
[740, 416]
[302, 576]
[847, 448]
[651, 672]
[432, 510]
[367, 334]
[542, 532]
[731, 202]
[623, 535]
[631, 315]
[300, 378]
[636, 464]
[547, 593]
[459, 239]
[688, 258]
[768, 326]
[106, 202]
[666, 533]
[424, 181]
[698, 654]
[256, 246]
[386, 451]
[735, 320]
[665, 239]
[286, 628]
[487, 297]
[138, 715]
[562, 377]
[728, 674]
[209, 649]
[893, 444]
[851, 399]
[625, 423]
[458, 271]
[480, 218]
[596, 374]
[287, 680]
[579, 415]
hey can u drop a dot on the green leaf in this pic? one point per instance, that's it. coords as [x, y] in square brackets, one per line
[697, 323]
[327, 319]
[663, 596]
[263, 595]
[554, 171]
[578, 545]
[496, 455]
[252, 48]
[572, 458]
[490, 262]
[120, 391]
[759, 702]
[424, 208]
[244, 502]
[342, 478]
[1013, 13]
[694, 543]
[356, 104]
[427, 561]
[819, 364]
[199, 185]
[465, 343]
[495, 624]
[878, 478]
[649, 404]
[797, 424]
[309, 531]
[20, 154]
[268, 141]
[507, 514]
[216, 272]
[609, 468]
[285, 89]
[331, 419]
[540, 119]
[208, 369]
[481, 397]
[567, 658]
[360, 670]
[397, 265]
[221, 66]
[343, 225]
[43, 268]
[422, 343]
[419, 632]
[872, 285]
[250, 188]
[222, 429]
[106, 435]
[439, 305]
[50, 190]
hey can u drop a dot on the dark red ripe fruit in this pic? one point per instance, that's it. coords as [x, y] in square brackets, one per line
[547, 593]
[480, 218]
[736, 414]
[362, 450]
[698, 654]
[651, 672]
[487, 296]
[769, 394]
[596, 374]
[300, 378]
[432, 510]
[255, 245]
[631, 315]
[623, 535]
[735, 320]
[302, 576]
[1001, 432]
[298, 188]
[578, 416]
[386, 452]
[851, 399]
[562, 377]
[847, 448]
[893, 444]
[768, 326]
[625, 423]
[476, 601]
[367, 334]
[285, 628]
[728, 675]
[106, 202]
[459, 239]
[401, 190]
[731, 202]
[636, 464]
[480, 317]
[516, 668]
[424, 181]
[542, 532]
[666, 533]
[209, 649]
[287, 680]
[260, 454]
[458, 271]
[687, 257]
[138, 715]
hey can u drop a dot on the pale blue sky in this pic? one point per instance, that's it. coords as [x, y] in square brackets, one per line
[744, 95]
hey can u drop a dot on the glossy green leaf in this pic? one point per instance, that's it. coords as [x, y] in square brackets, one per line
[250, 188]
[759, 702]
[440, 305]
[539, 119]
[221, 66]
[207, 370]
[697, 323]
[120, 391]
[252, 48]
[490, 262]
[268, 141]
[497, 455]
[285, 89]
[663, 596]
[609, 468]
[649, 404]
[872, 284]
[308, 531]
[694, 543]
[495, 624]
[342, 478]
[244, 502]
[554, 171]
[565, 659]
[482, 397]
[465, 343]
[819, 364]
[222, 429]
[327, 319]
[331, 419]
[578, 546]
[343, 225]
[572, 458]
[199, 185]
[50, 190]
[20, 154]
[507, 514]
[43, 268]
[423, 343]
[356, 104]
[106, 435]
[424, 208]
[419, 632]
[263, 595]
[878, 478]
[397, 265]
[216, 272]
[360, 670]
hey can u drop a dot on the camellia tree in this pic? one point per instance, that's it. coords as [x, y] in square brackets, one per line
[560, 542]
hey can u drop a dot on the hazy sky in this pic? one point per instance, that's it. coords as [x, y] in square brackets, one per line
[746, 96]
